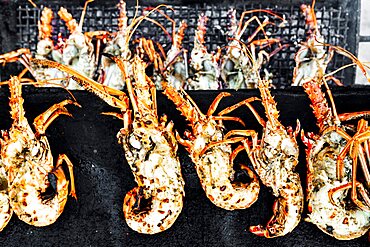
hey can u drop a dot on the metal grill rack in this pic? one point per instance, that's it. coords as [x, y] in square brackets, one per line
[334, 22]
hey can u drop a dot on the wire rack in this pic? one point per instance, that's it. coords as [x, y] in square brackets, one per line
[334, 22]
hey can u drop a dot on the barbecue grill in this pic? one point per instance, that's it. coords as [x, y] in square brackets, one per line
[102, 175]
[335, 18]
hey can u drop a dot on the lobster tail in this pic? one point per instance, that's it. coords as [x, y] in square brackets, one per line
[319, 104]
[71, 23]
[180, 34]
[200, 33]
[44, 24]
[310, 16]
[122, 20]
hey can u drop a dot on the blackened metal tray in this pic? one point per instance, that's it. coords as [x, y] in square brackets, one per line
[103, 177]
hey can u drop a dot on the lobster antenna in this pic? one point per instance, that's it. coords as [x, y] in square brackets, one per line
[33, 4]
[42, 82]
[349, 55]
[241, 27]
[314, 16]
[250, 55]
[136, 9]
[83, 15]
[339, 69]
[169, 19]
[146, 17]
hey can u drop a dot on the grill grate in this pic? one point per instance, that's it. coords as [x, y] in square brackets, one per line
[333, 21]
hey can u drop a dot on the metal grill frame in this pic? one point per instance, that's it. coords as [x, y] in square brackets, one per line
[334, 19]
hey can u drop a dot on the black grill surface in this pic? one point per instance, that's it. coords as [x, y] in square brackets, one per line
[103, 177]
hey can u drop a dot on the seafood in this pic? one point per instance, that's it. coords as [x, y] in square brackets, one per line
[331, 170]
[153, 59]
[274, 159]
[170, 66]
[47, 50]
[357, 146]
[312, 58]
[5, 210]
[28, 163]
[240, 66]
[150, 149]
[77, 50]
[111, 74]
[158, 171]
[175, 66]
[204, 65]
[118, 46]
[22, 55]
[214, 163]
[45, 44]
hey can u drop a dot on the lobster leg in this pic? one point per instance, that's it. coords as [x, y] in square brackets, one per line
[347, 116]
[364, 165]
[354, 180]
[14, 56]
[186, 143]
[242, 28]
[23, 57]
[236, 119]
[349, 185]
[342, 155]
[61, 158]
[237, 105]
[357, 150]
[362, 190]
[335, 80]
[247, 148]
[249, 171]
[43, 121]
[235, 152]
[250, 152]
[246, 133]
[354, 146]
[365, 196]
[114, 114]
[367, 152]
[216, 101]
[245, 102]
[226, 140]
